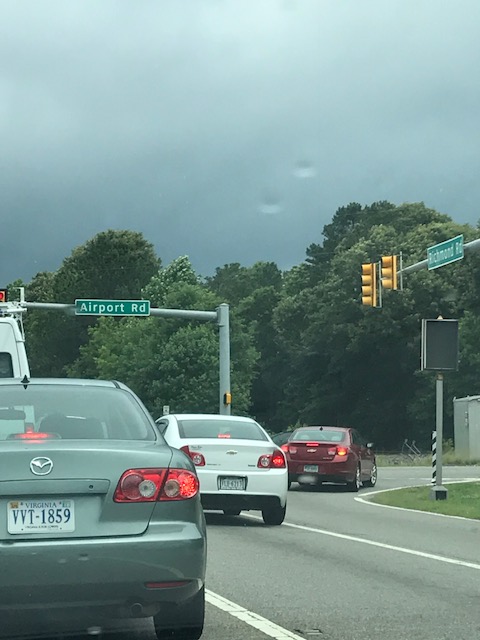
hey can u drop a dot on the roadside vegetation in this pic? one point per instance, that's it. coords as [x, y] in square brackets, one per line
[304, 350]
[463, 499]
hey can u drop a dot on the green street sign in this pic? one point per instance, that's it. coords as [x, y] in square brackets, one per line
[112, 307]
[445, 252]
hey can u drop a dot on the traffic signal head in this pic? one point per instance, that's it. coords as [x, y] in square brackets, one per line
[369, 284]
[227, 398]
[389, 272]
[3, 295]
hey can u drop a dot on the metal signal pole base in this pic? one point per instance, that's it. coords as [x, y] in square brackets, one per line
[438, 493]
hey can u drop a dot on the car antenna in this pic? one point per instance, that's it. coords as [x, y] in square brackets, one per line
[25, 381]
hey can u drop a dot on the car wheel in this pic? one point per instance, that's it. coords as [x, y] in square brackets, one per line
[355, 484]
[274, 515]
[190, 616]
[372, 480]
[232, 512]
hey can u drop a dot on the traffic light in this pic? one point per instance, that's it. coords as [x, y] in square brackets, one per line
[389, 272]
[227, 398]
[3, 295]
[369, 284]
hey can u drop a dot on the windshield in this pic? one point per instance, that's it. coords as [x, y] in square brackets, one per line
[72, 412]
[267, 213]
[208, 429]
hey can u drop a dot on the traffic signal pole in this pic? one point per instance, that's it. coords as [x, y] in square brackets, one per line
[474, 245]
[221, 316]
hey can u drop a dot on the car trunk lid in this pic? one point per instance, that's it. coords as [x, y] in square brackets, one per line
[64, 489]
[230, 454]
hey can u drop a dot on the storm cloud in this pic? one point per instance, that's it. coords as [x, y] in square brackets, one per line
[229, 130]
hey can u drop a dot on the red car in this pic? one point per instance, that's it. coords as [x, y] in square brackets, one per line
[330, 454]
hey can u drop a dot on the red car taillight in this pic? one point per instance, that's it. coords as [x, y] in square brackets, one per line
[151, 485]
[275, 460]
[338, 451]
[197, 458]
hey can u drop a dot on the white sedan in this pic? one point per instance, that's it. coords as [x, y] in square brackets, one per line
[239, 466]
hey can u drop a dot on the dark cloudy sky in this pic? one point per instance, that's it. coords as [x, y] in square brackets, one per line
[229, 130]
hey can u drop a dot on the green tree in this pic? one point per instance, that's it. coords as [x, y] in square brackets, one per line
[112, 265]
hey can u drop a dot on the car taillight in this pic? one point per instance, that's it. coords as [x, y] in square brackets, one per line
[150, 485]
[275, 460]
[284, 447]
[292, 450]
[197, 458]
[342, 451]
[180, 485]
[312, 444]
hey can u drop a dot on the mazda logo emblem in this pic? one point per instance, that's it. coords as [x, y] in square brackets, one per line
[41, 466]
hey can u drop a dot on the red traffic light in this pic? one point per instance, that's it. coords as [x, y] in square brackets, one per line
[3, 295]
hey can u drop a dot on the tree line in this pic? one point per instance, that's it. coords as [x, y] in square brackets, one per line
[304, 350]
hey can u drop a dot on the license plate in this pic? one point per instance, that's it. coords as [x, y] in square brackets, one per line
[311, 468]
[40, 516]
[231, 484]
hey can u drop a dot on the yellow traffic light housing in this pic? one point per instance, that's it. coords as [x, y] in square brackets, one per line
[369, 284]
[227, 398]
[389, 272]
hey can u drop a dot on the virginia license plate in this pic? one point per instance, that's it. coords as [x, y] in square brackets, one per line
[40, 516]
[311, 468]
[231, 484]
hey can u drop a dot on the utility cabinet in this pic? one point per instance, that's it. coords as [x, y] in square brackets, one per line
[466, 424]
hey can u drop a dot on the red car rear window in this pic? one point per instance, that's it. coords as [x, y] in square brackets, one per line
[319, 435]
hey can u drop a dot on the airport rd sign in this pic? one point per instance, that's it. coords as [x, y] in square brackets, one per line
[445, 252]
[112, 307]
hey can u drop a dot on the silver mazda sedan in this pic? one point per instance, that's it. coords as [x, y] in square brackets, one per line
[100, 520]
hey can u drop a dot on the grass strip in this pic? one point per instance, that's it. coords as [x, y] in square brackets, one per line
[463, 499]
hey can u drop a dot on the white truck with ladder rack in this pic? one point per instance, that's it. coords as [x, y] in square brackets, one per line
[13, 355]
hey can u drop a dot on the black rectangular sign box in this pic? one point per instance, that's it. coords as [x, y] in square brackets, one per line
[440, 348]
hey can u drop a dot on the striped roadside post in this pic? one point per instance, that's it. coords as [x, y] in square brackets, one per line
[434, 457]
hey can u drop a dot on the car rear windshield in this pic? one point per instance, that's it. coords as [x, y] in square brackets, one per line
[71, 412]
[204, 428]
[319, 435]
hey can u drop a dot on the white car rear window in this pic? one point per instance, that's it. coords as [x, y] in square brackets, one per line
[234, 429]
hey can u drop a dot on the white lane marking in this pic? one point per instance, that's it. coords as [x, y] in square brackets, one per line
[263, 625]
[381, 545]
[426, 513]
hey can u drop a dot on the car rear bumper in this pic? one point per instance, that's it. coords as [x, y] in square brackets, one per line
[327, 471]
[264, 488]
[55, 581]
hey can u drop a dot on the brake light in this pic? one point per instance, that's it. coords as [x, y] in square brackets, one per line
[284, 447]
[224, 435]
[275, 460]
[197, 458]
[151, 485]
[312, 444]
[278, 460]
[180, 485]
[342, 451]
[34, 435]
[292, 450]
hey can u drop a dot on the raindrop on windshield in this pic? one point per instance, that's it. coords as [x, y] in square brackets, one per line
[270, 206]
[304, 170]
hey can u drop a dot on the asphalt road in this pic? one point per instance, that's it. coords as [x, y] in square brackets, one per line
[341, 569]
